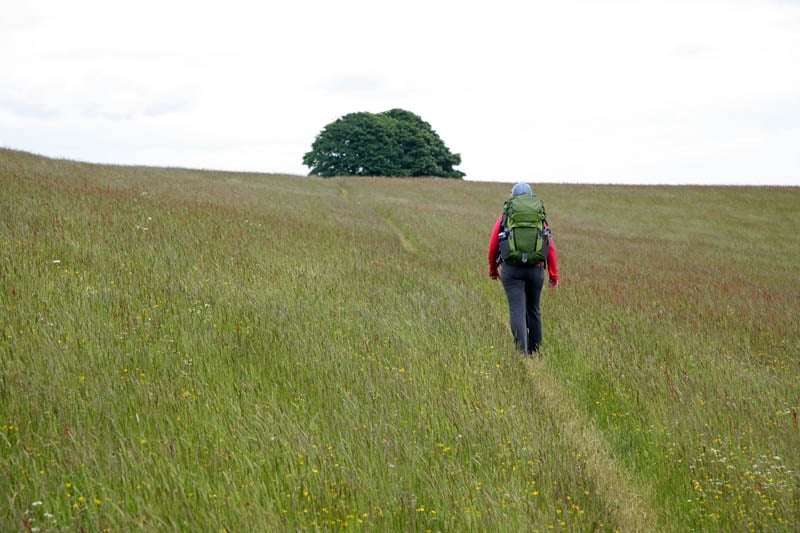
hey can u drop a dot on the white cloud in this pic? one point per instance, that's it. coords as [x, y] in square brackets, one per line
[702, 91]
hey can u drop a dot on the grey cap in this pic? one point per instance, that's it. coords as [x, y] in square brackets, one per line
[521, 189]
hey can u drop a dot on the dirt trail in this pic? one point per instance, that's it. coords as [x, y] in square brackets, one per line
[405, 244]
[629, 503]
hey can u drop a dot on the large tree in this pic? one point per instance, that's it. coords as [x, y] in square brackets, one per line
[392, 143]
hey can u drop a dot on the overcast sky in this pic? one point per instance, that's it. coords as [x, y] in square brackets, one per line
[545, 91]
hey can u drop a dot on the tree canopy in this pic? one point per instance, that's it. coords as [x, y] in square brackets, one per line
[392, 143]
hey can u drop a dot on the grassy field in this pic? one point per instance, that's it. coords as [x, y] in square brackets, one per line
[209, 351]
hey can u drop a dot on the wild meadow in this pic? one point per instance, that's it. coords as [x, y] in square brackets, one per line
[186, 350]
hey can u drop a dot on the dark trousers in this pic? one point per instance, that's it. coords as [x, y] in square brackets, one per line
[523, 286]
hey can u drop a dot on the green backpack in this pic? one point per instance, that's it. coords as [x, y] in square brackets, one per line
[524, 240]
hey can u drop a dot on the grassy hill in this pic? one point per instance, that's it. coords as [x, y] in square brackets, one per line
[209, 351]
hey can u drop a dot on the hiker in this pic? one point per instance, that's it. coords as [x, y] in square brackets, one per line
[522, 244]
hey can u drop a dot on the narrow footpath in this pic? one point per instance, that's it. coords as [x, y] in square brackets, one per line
[629, 503]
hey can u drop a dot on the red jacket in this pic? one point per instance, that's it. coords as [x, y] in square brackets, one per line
[494, 253]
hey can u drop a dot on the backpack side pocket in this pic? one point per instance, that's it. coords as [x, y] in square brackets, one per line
[505, 248]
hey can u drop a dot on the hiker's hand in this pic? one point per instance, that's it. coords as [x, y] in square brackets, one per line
[494, 275]
[553, 283]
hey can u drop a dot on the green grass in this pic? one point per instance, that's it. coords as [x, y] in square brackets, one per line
[208, 351]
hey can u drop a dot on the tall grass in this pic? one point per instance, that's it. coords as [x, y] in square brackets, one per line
[187, 350]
